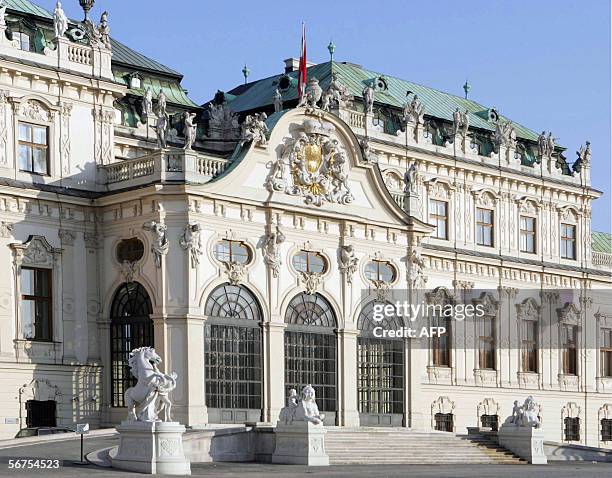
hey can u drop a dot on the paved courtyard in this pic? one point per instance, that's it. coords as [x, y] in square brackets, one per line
[67, 451]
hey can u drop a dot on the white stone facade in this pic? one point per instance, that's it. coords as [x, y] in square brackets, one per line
[115, 182]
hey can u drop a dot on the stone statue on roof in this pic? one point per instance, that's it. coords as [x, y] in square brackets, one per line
[456, 121]
[368, 99]
[414, 111]
[542, 145]
[550, 144]
[254, 129]
[161, 103]
[104, 30]
[278, 101]
[584, 157]
[60, 21]
[505, 134]
[190, 130]
[161, 130]
[147, 103]
[338, 93]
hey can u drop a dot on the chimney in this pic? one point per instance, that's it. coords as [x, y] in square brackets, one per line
[292, 64]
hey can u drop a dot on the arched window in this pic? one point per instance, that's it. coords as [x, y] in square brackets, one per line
[310, 349]
[233, 355]
[380, 367]
[131, 327]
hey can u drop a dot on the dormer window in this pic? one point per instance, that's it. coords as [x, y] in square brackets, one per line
[135, 81]
[22, 41]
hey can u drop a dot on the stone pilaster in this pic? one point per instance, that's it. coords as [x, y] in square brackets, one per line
[274, 365]
[348, 376]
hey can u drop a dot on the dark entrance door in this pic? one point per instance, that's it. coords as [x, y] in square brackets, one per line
[40, 413]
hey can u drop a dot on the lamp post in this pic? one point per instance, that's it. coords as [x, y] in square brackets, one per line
[86, 5]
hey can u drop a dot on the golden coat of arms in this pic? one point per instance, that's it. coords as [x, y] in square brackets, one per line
[317, 167]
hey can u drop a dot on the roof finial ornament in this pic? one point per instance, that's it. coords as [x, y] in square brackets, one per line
[246, 71]
[331, 48]
[86, 5]
[466, 87]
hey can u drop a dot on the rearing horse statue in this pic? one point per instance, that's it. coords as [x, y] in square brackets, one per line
[141, 399]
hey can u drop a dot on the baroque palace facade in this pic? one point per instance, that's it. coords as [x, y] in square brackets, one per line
[249, 238]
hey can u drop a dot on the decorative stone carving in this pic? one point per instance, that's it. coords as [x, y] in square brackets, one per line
[546, 145]
[67, 237]
[505, 134]
[416, 265]
[410, 179]
[191, 241]
[312, 95]
[40, 389]
[382, 290]
[584, 157]
[287, 413]
[317, 162]
[337, 94]
[6, 229]
[36, 252]
[254, 129]
[368, 99]
[277, 99]
[368, 153]
[190, 130]
[235, 272]
[348, 262]
[4, 96]
[143, 399]
[525, 415]
[104, 30]
[223, 122]
[311, 281]
[161, 131]
[271, 251]
[128, 270]
[414, 111]
[488, 406]
[147, 104]
[60, 21]
[307, 409]
[159, 245]
[34, 110]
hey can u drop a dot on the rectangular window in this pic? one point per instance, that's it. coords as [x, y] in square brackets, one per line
[530, 346]
[33, 148]
[23, 41]
[528, 241]
[572, 428]
[570, 353]
[486, 340]
[35, 304]
[440, 346]
[568, 241]
[438, 215]
[484, 227]
[444, 422]
[606, 352]
[606, 429]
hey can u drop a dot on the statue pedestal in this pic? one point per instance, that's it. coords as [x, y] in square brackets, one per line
[300, 443]
[525, 442]
[152, 447]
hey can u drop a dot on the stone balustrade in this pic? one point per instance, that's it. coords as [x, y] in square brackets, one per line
[160, 166]
[602, 259]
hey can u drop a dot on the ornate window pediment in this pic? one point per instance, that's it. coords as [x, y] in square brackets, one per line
[440, 296]
[568, 214]
[569, 314]
[489, 304]
[438, 188]
[36, 251]
[528, 310]
[527, 205]
[485, 198]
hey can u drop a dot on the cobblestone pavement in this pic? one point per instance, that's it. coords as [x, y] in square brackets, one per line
[68, 451]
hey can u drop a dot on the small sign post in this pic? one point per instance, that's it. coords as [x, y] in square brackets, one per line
[82, 429]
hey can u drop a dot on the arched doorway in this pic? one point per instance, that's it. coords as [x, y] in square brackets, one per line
[233, 355]
[311, 351]
[380, 371]
[131, 327]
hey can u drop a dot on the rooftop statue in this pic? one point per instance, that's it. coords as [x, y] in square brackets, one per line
[413, 111]
[104, 30]
[312, 94]
[278, 101]
[584, 157]
[149, 396]
[505, 134]
[60, 21]
[368, 99]
[254, 129]
[190, 130]
[161, 130]
[147, 103]
[161, 103]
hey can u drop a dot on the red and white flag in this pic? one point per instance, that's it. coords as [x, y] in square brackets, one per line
[302, 70]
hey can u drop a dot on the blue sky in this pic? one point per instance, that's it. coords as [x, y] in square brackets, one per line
[544, 63]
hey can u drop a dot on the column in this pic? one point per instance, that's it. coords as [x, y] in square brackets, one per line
[348, 378]
[274, 367]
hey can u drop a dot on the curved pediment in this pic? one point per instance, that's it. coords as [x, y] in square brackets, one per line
[311, 161]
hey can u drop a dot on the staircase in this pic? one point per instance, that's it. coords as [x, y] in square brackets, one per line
[403, 446]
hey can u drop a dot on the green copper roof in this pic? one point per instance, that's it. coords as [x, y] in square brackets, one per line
[172, 88]
[25, 6]
[125, 55]
[437, 103]
[121, 53]
[602, 242]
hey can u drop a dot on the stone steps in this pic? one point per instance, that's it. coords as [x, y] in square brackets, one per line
[402, 446]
